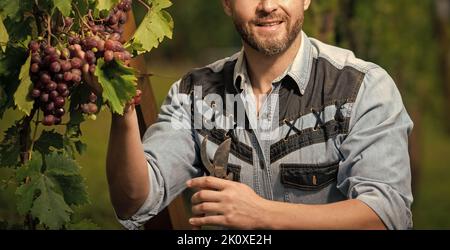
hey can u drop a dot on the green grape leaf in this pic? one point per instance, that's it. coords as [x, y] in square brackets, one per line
[60, 165]
[26, 193]
[73, 129]
[156, 25]
[159, 4]
[69, 146]
[9, 75]
[47, 140]
[4, 37]
[80, 146]
[10, 8]
[84, 224]
[118, 83]
[21, 97]
[10, 147]
[31, 168]
[73, 189]
[106, 4]
[50, 207]
[64, 6]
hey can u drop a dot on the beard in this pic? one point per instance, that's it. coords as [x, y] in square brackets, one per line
[269, 46]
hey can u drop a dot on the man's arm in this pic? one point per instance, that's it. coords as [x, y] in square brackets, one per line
[146, 175]
[126, 165]
[347, 215]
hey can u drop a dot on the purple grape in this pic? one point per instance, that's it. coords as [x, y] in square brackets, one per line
[59, 102]
[61, 88]
[48, 120]
[34, 68]
[60, 112]
[76, 63]
[44, 97]
[34, 46]
[50, 107]
[66, 66]
[55, 67]
[51, 86]
[45, 78]
[53, 95]
[35, 93]
[92, 97]
[109, 55]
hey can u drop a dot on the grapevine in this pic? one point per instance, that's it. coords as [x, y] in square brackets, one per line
[75, 62]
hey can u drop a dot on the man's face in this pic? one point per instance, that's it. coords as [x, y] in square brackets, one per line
[268, 26]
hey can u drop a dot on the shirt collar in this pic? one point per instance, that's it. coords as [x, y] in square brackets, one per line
[299, 70]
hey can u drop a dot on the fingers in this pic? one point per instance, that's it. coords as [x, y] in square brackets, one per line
[213, 220]
[205, 196]
[207, 208]
[208, 182]
[92, 81]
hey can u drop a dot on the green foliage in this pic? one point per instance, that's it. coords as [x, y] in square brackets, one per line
[118, 83]
[106, 4]
[48, 141]
[49, 187]
[64, 6]
[157, 25]
[22, 97]
[59, 165]
[10, 147]
[48, 180]
[9, 74]
[28, 191]
[50, 207]
[4, 37]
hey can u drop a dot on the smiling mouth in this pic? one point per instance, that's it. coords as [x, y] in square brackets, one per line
[269, 24]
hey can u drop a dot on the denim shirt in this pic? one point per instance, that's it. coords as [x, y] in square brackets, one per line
[333, 128]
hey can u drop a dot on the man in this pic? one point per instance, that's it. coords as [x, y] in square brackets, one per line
[323, 143]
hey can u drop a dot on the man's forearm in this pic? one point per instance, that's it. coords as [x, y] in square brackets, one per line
[126, 165]
[349, 214]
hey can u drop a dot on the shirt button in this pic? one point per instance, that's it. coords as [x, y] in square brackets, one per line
[262, 163]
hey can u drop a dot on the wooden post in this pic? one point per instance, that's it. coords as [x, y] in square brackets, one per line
[175, 216]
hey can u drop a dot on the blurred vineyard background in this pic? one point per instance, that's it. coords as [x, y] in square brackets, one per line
[409, 38]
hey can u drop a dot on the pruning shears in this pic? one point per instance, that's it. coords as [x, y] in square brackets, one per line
[217, 168]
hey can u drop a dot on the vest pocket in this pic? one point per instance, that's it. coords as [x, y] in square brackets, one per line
[308, 177]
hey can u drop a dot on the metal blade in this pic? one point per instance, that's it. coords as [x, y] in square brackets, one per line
[205, 160]
[222, 153]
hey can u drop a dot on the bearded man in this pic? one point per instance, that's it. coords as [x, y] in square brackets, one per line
[319, 138]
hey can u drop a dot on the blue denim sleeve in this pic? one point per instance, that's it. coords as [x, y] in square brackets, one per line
[376, 167]
[172, 153]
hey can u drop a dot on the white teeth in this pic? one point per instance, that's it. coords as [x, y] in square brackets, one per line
[269, 24]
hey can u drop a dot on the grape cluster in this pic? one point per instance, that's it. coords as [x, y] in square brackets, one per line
[56, 70]
[53, 74]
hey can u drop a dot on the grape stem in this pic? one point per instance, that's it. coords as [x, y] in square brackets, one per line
[49, 29]
[81, 18]
[146, 5]
[36, 124]
[24, 136]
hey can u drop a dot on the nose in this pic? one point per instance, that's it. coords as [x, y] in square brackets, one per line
[267, 6]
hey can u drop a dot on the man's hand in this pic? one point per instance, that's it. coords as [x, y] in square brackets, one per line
[225, 203]
[91, 80]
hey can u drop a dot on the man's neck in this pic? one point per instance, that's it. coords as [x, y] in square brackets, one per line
[263, 69]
